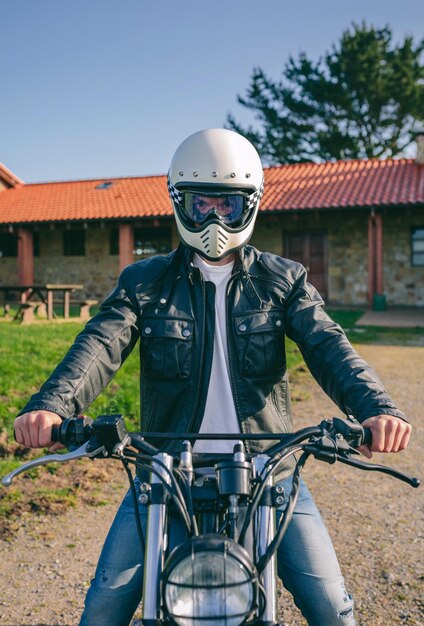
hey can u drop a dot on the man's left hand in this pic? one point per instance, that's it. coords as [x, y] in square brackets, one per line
[389, 434]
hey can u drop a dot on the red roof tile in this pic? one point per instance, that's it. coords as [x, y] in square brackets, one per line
[356, 183]
[343, 184]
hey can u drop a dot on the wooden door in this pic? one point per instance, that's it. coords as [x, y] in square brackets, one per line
[310, 249]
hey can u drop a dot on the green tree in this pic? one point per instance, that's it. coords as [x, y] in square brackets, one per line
[363, 99]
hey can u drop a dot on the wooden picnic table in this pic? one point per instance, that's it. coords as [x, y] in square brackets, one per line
[66, 291]
[45, 294]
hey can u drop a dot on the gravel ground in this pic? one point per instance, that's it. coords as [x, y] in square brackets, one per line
[375, 522]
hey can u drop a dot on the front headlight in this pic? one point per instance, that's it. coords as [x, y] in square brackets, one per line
[209, 580]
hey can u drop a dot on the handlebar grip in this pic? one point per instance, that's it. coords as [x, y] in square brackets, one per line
[72, 432]
[367, 436]
[55, 436]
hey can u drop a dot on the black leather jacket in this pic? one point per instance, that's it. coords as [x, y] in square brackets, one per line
[164, 302]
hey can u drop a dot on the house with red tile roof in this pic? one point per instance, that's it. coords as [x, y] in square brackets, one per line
[357, 226]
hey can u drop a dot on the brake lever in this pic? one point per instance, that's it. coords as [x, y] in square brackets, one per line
[80, 453]
[375, 467]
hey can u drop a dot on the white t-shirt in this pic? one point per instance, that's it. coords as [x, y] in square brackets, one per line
[220, 413]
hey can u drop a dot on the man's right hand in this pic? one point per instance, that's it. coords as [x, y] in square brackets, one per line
[34, 429]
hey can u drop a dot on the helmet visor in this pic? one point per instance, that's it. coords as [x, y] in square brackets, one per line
[199, 207]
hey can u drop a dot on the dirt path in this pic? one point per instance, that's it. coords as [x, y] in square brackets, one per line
[375, 522]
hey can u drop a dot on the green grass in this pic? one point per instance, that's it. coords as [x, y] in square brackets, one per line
[28, 354]
[346, 319]
[294, 358]
[374, 334]
[8, 499]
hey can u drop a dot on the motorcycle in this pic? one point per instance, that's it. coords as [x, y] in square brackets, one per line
[224, 572]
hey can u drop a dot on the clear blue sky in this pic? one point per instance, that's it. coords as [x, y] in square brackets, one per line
[102, 88]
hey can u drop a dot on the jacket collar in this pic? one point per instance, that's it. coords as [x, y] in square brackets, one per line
[187, 255]
[240, 267]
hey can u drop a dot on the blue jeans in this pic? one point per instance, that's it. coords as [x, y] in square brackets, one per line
[307, 565]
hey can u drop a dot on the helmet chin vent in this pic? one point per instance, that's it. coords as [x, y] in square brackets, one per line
[205, 237]
[222, 240]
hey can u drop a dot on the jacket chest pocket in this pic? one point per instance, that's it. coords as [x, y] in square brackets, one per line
[166, 348]
[260, 343]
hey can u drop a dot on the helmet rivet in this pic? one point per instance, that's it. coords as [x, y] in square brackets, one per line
[233, 174]
[195, 174]
[181, 173]
[248, 175]
[214, 174]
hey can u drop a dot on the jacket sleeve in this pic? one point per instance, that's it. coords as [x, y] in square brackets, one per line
[95, 356]
[349, 381]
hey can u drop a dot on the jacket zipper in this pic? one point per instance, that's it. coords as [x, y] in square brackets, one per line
[230, 339]
[202, 351]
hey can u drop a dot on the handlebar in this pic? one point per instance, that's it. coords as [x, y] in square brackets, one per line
[333, 439]
[75, 431]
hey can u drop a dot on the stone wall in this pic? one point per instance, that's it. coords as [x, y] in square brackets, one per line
[347, 239]
[348, 258]
[268, 234]
[403, 283]
[97, 270]
[347, 245]
[8, 271]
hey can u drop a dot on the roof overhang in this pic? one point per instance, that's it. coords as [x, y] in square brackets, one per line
[9, 177]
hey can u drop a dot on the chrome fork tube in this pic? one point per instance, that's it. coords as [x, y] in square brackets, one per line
[156, 542]
[264, 532]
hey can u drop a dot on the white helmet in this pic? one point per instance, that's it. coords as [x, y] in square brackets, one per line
[215, 182]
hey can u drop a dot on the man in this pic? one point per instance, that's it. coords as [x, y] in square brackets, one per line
[211, 318]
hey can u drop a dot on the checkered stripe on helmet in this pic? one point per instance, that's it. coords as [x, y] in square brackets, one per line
[251, 201]
[254, 198]
[176, 196]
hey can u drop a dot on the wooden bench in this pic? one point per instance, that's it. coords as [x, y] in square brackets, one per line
[31, 310]
[84, 308]
[41, 310]
[26, 312]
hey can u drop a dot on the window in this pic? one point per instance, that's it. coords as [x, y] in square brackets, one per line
[417, 247]
[114, 241]
[104, 185]
[8, 245]
[74, 242]
[152, 240]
